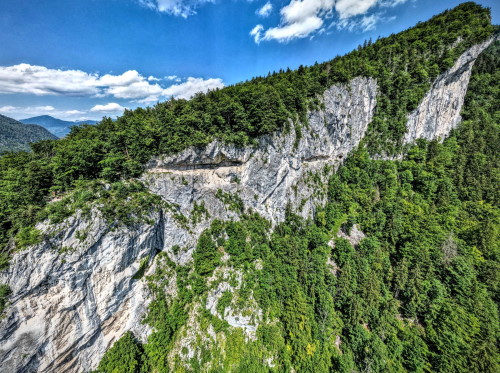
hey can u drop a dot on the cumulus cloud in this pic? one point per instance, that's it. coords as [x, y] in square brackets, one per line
[40, 80]
[349, 8]
[131, 85]
[112, 107]
[192, 86]
[265, 10]
[301, 18]
[74, 112]
[257, 33]
[298, 19]
[365, 23]
[182, 8]
[351, 25]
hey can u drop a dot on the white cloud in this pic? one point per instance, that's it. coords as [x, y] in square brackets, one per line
[39, 80]
[265, 10]
[7, 109]
[392, 3]
[175, 78]
[112, 107]
[365, 23]
[257, 33]
[192, 86]
[298, 19]
[74, 112]
[131, 85]
[182, 8]
[301, 18]
[21, 112]
[350, 8]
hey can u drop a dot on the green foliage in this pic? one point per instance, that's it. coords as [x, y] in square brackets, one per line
[420, 293]
[224, 301]
[404, 66]
[199, 213]
[143, 265]
[125, 356]
[16, 136]
[28, 236]
[232, 201]
[207, 255]
[4, 294]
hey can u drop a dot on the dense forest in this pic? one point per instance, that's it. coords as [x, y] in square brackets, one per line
[419, 293]
[404, 65]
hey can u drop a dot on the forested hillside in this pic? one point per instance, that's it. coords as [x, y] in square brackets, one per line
[16, 136]
[397, 272]
[419, 293]
[58, 127]
[404, 64]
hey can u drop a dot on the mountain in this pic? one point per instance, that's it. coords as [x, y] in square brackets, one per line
[341, 217]
[58, 127]
[15, 136]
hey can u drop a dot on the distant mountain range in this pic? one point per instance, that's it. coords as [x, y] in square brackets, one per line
[58, 127]
[15, 136]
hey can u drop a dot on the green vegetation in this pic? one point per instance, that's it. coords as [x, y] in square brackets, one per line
[4, 294]
[124, 357]
[16, 136]
[232, 201]
[404, 66]
[419, 293]
[28, 236]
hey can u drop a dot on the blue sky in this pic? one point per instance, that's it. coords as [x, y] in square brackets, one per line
[76, 59]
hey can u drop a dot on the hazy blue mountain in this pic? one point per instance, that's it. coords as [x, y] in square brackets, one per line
[15, 135]
[58, 127]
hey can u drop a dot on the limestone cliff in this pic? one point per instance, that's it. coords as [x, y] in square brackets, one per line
[72, 297]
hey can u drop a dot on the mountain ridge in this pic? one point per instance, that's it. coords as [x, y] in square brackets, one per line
[16, 136]
[58, 127]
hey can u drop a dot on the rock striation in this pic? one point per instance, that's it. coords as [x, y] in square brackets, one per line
[72, 297]
[74, 294]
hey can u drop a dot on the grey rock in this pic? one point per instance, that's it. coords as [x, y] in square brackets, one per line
[71, 298]
[439, 111]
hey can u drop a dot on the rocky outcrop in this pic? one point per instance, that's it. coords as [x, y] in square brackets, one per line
[267, 177]
[439, 111]
[74, 294]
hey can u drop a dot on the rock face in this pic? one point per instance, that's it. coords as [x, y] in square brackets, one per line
[439, 111]
[267, 177]
[74, 294]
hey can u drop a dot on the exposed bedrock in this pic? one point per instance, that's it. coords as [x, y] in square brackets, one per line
[75, 294]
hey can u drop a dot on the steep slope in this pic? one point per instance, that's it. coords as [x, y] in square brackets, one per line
[212, 263]
[99, 289]
[15, 136]
[58, 127]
